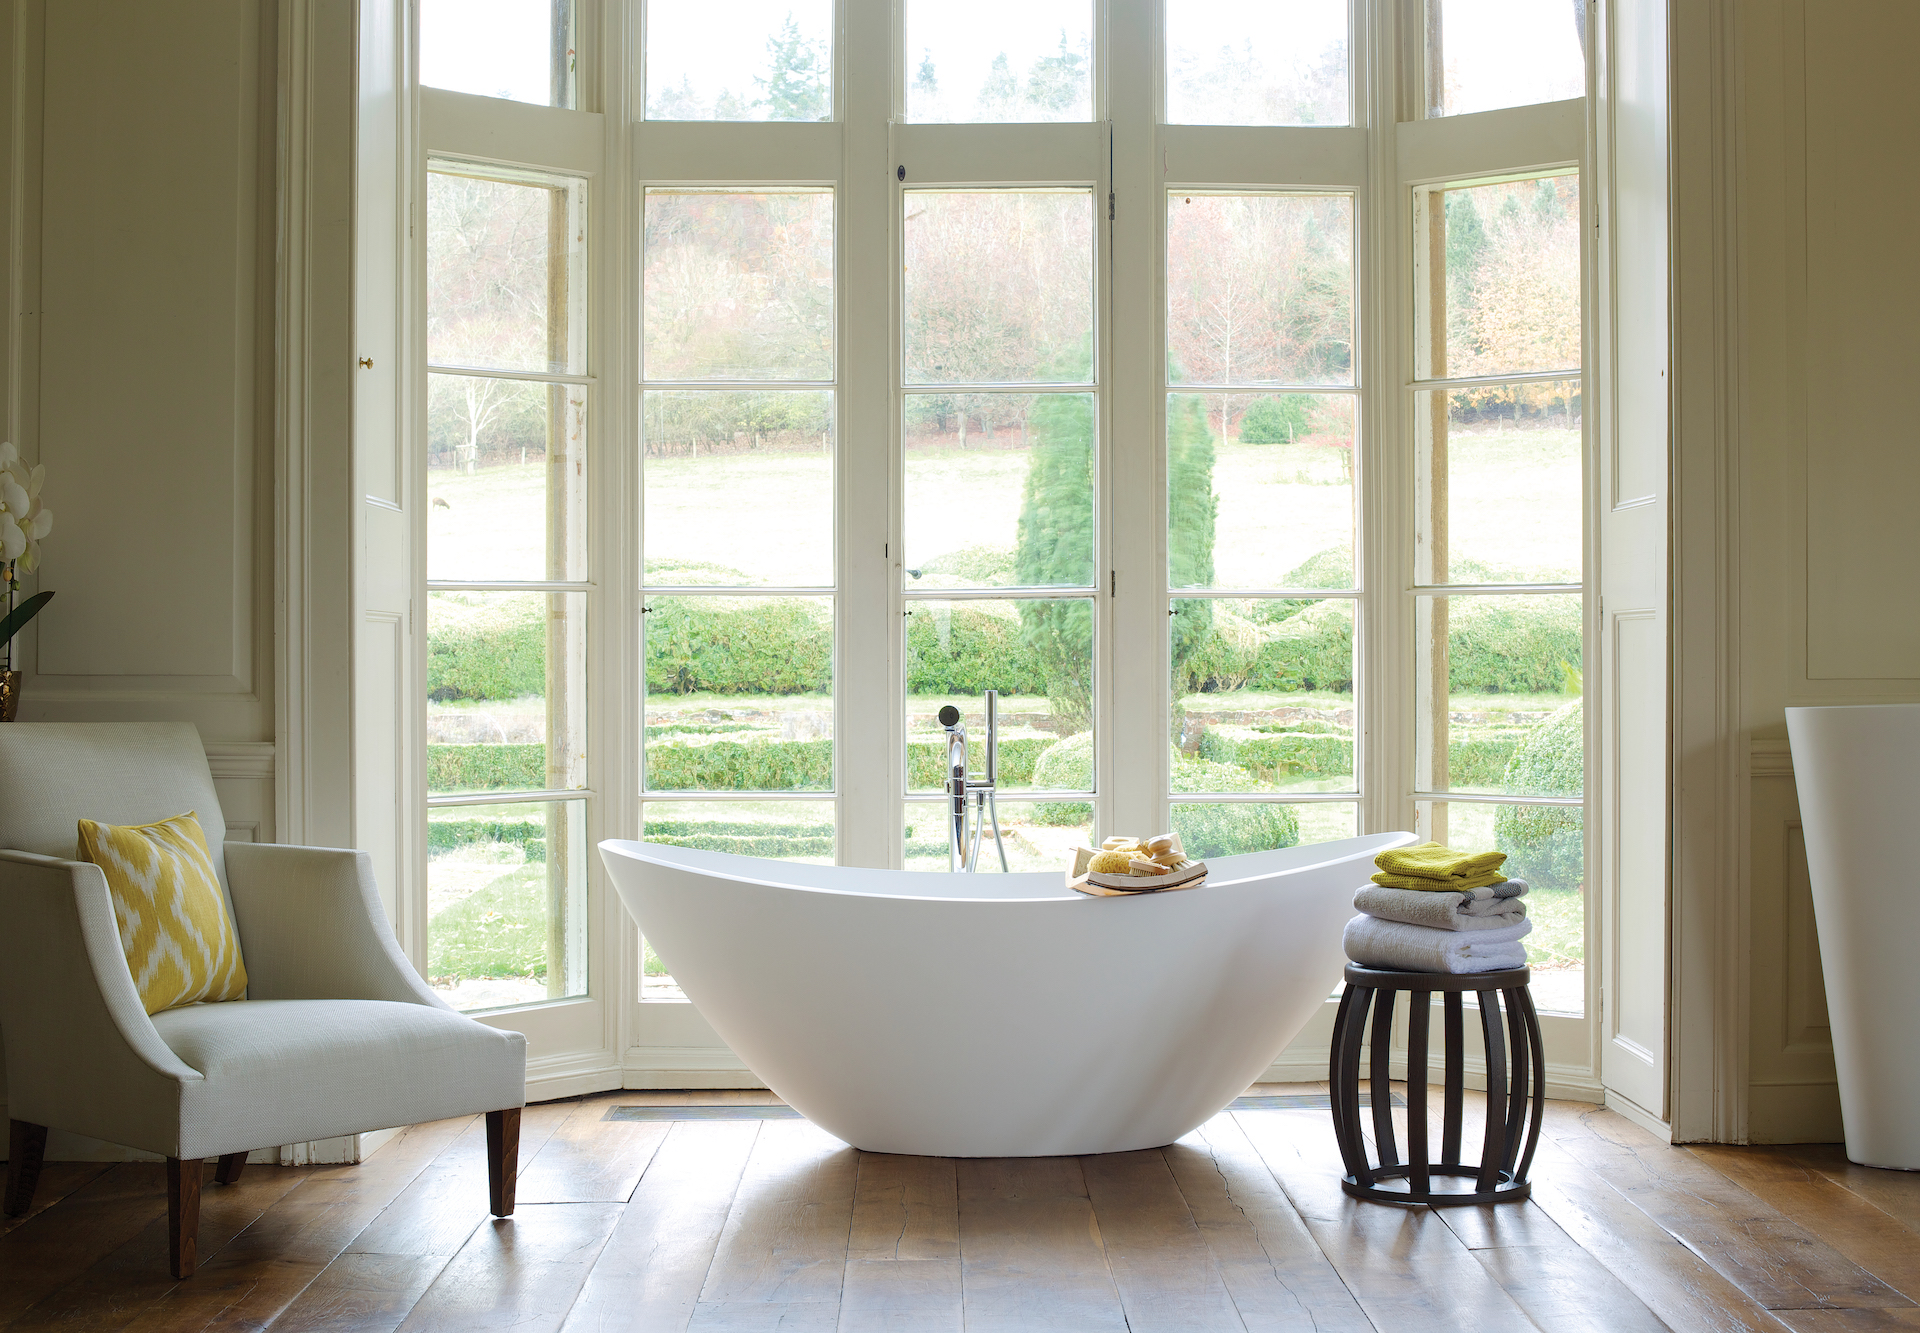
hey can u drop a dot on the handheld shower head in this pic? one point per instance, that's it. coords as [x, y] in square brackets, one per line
[949, 716]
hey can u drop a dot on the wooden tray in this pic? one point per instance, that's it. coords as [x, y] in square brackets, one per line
[1187, 875]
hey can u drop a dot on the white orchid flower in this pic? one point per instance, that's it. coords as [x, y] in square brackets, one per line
[13, 541]
[42, 525]
[8, 454]
[34, 478]
[14, 496]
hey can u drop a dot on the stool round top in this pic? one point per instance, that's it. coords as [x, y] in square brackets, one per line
[1377, 978]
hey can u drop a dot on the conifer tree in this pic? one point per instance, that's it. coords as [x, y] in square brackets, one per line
[1191, 510]
[798, 87]
[1054, 546]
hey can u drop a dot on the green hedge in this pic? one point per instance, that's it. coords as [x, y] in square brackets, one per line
[966, 648]
[765, 844]
[486, 767]
[1311, 650]
[1512, 645]
[1479, 757]
[664, 830]
[1544, 844]
[485, 646]
[927, 760]
[733, 645]
[1272, 758]
[741, 766]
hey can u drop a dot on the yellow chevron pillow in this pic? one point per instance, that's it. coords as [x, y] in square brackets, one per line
[173, 919]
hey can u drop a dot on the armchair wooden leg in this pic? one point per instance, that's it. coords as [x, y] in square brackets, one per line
[183, 1215]
[26, 1148]
[231, 1165]
[503, 1159]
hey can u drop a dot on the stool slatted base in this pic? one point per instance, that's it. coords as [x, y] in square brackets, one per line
[1515, 1058]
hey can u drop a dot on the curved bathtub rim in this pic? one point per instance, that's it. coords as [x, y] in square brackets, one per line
[662, 854]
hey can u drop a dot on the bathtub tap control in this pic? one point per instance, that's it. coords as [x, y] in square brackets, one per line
[971, 802]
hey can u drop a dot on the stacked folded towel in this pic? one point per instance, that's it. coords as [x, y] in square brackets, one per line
[1432, 909]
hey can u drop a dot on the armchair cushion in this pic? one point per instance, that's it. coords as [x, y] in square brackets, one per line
[283, 1071]
[173, 919]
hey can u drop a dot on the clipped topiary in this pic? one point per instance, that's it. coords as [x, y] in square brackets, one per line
[1511, 645]
[1545, 844]
[1066, 765]
[1221, 829]
[485, 646]
[968, 647]
[731, 645]
[1312, 650]
[1277, 420]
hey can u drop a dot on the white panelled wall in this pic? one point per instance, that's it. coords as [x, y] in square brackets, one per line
[192, 284]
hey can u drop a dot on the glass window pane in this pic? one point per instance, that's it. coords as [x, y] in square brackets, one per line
[739, 693]
[507, 903]
[1257, 62]
[522, 50]
[1486, 54]
[505, 691]
[1545, 846]
[746, 60]
[999, 286]
[1499, 287]
[1036, 835]
[738, 286]
[1259, 288]
[1500, 484]
[1510, 719]
[999, 60]
[1262, 695]
[762, 458]
[1260, 490]
[506, 479]
[1222, 828]
[505, 284]
[1038, 654]
[999, 490]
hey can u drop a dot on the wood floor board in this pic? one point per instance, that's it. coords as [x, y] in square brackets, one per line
[361, 1293]
[903, 1247]
[1030, 1249]
[1768, 1255]
[650, 1272]
[783, 1251]
[1166, 1274]
[124, 1283]
[57, 1181]
[521, 1272]
[589, 1159]
[1851, 1321]
[1862, 1232]
[1896, 1193]
[1563, 1289]
[1403, 1265]
[58, 1245]
[264, 1270]
[1278, 1277]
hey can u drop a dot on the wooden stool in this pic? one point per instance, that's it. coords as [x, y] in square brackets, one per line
[1501, 1173]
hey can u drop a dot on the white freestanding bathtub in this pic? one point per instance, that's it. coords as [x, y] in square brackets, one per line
[999, 1015]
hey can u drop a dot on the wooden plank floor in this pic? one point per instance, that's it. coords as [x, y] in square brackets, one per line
[718, 1224]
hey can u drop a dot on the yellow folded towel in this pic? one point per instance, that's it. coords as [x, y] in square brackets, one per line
[1433, 866]
[1448, 885]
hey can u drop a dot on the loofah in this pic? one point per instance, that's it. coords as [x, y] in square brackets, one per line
[1110, 863]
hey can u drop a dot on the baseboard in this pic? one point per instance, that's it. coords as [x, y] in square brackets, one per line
[665, 1067]
[1628, 1109]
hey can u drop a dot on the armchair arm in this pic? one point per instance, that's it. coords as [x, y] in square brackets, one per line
[312, 927]
[81, 1052]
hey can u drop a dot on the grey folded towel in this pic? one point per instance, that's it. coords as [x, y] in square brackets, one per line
[1400, 947]
[1506, 888]
[1442, 911]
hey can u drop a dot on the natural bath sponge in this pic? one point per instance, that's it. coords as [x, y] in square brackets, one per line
[1111, 863]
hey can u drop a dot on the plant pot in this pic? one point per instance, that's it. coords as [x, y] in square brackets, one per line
[9, 695]
[1858, 773]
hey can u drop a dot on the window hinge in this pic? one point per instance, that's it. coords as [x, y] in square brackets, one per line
[1113, 583]
[1109, 205]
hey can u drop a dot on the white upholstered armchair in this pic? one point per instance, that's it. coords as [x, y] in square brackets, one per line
[337, 1035]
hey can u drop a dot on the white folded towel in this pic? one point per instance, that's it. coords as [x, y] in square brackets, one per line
[1442, 911]
[1399, 947]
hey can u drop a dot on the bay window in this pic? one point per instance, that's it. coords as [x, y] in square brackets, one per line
[1217, 399]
